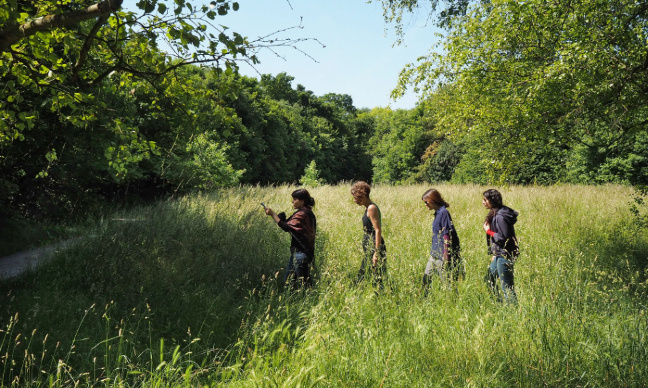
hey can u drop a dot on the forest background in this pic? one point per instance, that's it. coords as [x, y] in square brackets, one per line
[121, 106]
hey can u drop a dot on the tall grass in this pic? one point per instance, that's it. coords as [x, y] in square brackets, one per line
[186, 293]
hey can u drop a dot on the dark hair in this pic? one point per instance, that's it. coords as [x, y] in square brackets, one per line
[495, 198]
[361, 188]
[435, 196]
[304, 195]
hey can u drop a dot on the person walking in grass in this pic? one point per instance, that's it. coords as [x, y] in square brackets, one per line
[445, 253]
[373, 243]
[502, 244]
[302, 226]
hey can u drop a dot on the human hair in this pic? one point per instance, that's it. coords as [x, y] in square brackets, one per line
[495, 198]
[435, 196]
[304, 195]
[361, 188]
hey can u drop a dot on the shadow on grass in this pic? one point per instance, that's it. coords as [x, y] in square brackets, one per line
[620, 251]
[196, 277]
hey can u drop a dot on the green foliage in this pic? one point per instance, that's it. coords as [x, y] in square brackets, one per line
[639, 208]
[604, 157]
[439, 162]
[512, 75]
[404, 147]
[191, 129]
[311, 176]
[93, 108]
[395, 10]
[55, 64]
[209, 168]
[528, 93]
[286, 128]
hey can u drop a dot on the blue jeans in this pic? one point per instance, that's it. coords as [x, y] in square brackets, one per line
[298, 270]
[503, 268]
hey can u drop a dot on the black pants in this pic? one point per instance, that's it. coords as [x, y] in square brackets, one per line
[377, 272]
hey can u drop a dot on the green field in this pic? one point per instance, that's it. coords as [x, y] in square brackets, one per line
[185, 293]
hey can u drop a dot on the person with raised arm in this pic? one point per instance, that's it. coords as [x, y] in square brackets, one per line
[302, 226]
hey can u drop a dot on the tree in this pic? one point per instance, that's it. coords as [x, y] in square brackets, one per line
[394, 10]
[13, 30]
[514, 74]
[401, 145]
[56, 50]
[311, 176]
[90, 90]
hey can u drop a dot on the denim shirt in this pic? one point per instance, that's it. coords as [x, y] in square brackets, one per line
[443, 226]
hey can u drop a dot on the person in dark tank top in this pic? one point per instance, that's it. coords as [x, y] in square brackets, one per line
[373, 243]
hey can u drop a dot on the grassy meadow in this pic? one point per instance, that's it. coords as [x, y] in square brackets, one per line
[186, 293]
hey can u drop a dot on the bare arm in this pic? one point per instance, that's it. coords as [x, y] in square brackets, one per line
[446, 247]
[374, 216]
[271, 213]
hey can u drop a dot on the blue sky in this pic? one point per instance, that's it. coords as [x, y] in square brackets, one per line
[358, 59]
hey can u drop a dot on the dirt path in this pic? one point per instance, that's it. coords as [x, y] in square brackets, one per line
[14, 265]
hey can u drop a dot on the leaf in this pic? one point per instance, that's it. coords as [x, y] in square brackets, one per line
[51, 156]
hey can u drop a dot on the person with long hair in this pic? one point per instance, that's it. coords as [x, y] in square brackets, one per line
[373, 243]
[302, 226]
[502, 243]
[445, 252]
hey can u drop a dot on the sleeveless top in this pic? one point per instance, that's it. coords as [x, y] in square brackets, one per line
[369, 231]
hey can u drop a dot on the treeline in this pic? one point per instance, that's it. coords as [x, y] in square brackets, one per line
[407, 147]
[199, 129]
[94, 111]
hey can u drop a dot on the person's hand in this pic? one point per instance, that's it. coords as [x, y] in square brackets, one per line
[493, 258]
[268, 211]
[486, 226]
[374, 261]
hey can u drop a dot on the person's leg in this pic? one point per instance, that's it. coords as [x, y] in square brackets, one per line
[452, 268]
[290, 270]
[491, 279]
[429, 268]
[505, 271]
[456, 269]
[363, 266]
[380, 269]
[302, 273]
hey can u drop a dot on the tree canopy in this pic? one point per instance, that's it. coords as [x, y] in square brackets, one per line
[98, 103]
[520, 77]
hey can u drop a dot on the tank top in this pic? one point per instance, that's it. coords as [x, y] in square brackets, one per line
[368, 226]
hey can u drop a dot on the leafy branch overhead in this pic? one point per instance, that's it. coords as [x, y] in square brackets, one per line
[15, 30]
[63, 48]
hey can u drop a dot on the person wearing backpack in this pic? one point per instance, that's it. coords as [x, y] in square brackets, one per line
[502, 245]
[302, 226]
